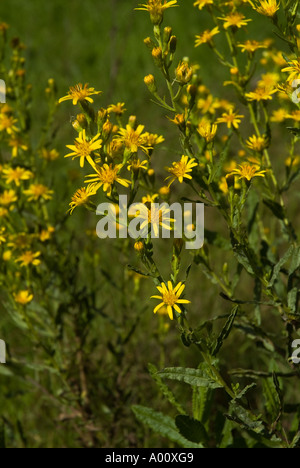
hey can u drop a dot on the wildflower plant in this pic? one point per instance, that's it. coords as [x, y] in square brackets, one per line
[237, 152]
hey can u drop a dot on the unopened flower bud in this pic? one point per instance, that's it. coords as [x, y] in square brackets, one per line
[157, 56]
[150, 83]
[167, 34]
[173, 44]
[139, 246]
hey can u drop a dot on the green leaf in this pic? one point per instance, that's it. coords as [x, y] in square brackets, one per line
[162, 425]
[279, 265]
[272, 401]
[166, 392]
[295, 262]
[292, 299]
[226, 331]
[191, 429]
[194, 377]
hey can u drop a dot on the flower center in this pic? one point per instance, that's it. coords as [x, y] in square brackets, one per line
[83, 148]
[170, 298]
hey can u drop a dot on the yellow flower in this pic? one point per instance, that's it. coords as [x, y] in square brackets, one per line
[156, 9]
[7, 123]
[49, 155]
[279, 115]
[117, 109]
[155, 217]
[29, 258]
[16, 175]
[133, 139]
[235, 20]
[79, 93]
[46, 234]
[203, 3]
[181, 169]
[149, 198]
[81, 197]
[293, 69]
[170, 297]
[206, 36]
[16, 143]
[246, 171]
[84, 148]
[23, 297]
[151, 139]
[257, 143]
[136, 165]
[269, 80]
[261, 94]
[295, 115]
[292, 162]
[207, 130]
[37, 192]
[3, 212]
[106, 176]
[8, 197]
[251, 46]
[267, 7]
[184, 73]
[2, 235]
[231, 118]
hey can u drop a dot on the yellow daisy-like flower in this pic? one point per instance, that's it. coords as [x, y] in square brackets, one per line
[235, 20]
[8, 197]
[246, 171]
[78, 93]
[279, 115]
[38, 192]
[155, 217]
[267, 7]
[106, 176]
[149, 198]
[7, 124]
[83, 148]
[151, 139]
[269, 80]
[136, 165]
[231, 118]
[15, 175]
[46, 234]
[256, 143]
[181, 170]
[156, 9]
[170, 298]
[203, 3]
[16, 143]
[207, 130]
[117, 109]
[29, 258]
[251, 46]
[23, 297]
[261, 94]
[206, 36]
[82, 196]
[293, 69]
[133, 139]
